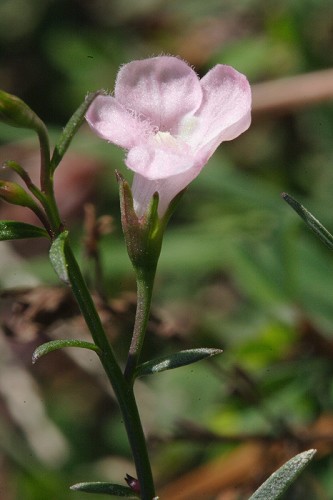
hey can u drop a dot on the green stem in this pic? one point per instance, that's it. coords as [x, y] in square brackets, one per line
[123, 390]
[145, 283]
[46, 195]
[45, 178]
[51, 210]
[44, 220]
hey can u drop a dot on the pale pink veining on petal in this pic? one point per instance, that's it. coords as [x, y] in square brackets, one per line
[170, 122]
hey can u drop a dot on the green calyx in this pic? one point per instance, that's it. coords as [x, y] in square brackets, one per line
[143, 235]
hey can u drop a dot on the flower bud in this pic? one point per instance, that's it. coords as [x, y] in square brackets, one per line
[133, 483]
[15, 194]
[14, 112]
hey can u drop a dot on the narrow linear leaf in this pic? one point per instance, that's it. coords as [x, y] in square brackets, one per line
[105, 489]
[323, 234]
[13, 230]
[280, 480]
[181, 358]
[57, 257]
[70, 130]
[54, 345]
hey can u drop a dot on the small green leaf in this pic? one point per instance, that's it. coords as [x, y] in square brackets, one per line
[181, 358]
[19, 170]
[310, 221]
[106, 489]
[13, 230]
[70, 130]
[280, 480]
[57, 257]
[54, 345]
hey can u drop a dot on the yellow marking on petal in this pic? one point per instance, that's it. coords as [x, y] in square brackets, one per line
[166, 139]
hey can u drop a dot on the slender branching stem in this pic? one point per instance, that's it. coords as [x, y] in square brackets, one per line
[122, 388]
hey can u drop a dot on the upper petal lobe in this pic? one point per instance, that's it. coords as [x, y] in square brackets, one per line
[225, 111]
[162, 89]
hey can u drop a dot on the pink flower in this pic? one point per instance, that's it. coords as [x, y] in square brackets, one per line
[170, 122]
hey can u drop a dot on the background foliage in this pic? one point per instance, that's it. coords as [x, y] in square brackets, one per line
[238, 269]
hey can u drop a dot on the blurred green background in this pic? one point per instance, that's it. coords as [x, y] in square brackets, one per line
[238, 270]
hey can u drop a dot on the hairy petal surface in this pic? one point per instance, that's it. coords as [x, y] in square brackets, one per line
[170, 122]
[111, 121]
[162, 89]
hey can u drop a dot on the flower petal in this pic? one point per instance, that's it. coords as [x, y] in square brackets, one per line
[225, 112]
[111, 121]
[143, 190]
[157, 162]
[162, 89]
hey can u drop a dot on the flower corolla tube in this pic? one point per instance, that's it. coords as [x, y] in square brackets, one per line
[170, 122]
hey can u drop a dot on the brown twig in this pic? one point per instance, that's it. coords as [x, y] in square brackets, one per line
[288, 94]
[94, 229]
